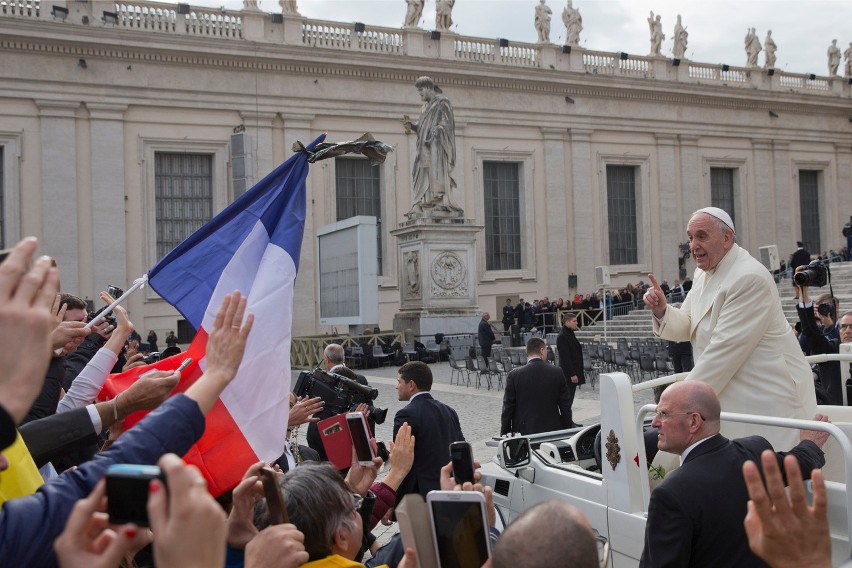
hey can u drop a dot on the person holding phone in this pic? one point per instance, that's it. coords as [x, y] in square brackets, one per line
[28, 525]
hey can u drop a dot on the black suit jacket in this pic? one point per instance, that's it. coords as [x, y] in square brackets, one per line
[570, 355]
[535, 400]
[818, 344]
[57, 435]
[486, 334]
[695, 517]
[800, 257]
[434, 426]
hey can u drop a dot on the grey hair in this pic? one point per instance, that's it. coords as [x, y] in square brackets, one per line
[334, 353]
[424, 82]
[318, 503]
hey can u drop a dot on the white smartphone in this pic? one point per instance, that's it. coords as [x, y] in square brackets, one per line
[360, 434]
[460, 528]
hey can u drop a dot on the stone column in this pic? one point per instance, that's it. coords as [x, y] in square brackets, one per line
[761, 225]
[664, 210]
[258, 126]
[786, 200]
[108, 246]
[558, 238]
[587, 249]
[691, 191]
[841, 210]
[59, 188]
[305, 309]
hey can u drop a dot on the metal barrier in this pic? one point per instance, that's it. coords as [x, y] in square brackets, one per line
[307, 352]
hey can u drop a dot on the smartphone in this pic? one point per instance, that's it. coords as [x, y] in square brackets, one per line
[274, 499]
[462, 457]
[127, 492]
[360, 434]
[460, 528]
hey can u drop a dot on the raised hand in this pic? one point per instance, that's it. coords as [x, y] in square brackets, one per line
[654, 298]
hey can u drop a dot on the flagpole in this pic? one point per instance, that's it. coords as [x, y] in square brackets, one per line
[138, 283]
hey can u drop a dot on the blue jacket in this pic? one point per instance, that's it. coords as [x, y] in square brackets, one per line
[29, 525]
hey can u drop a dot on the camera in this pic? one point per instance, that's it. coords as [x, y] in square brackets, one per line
[816, 274]
[152, 358]
[115, 292]
[109, 318]
[337, 392]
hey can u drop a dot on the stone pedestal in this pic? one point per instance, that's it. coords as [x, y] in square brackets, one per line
[437, 279]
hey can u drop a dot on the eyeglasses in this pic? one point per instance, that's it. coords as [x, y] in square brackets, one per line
[662, 414]
[846, 326]
[357, 501]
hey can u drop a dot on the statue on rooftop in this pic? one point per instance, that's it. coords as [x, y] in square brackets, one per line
[833, 58]
[769, 48]
[847, 72]
[752, 47]
[412, 15]
[289, 7]
[542, 21]
[680, 37]
[444, 15]
[573, 24]
[657, 35]
[435, 154]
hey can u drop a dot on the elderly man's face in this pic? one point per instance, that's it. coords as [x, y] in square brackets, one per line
[673, 425]
[846, 329]
[707, 242]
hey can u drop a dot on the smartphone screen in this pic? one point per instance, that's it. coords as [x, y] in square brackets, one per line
[462, 462]
[460, 533]
[360, 437]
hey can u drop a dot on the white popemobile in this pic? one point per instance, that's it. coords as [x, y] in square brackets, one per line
[601, 469]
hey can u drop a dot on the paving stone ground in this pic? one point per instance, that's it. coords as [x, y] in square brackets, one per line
[478, 410]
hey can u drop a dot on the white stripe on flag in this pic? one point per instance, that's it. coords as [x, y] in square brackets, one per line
[257, 399]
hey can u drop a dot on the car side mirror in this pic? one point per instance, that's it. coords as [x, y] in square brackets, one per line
[515, 452]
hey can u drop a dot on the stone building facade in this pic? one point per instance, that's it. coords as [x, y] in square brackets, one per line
[124, 126]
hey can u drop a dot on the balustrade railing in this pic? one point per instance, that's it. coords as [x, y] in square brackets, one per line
[162, 17]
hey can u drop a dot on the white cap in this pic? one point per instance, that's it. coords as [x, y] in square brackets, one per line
[719, 214]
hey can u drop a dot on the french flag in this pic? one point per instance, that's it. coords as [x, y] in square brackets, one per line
[252, 246]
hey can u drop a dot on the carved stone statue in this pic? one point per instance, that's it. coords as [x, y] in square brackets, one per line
[680, 38]
[847, 71]
[573, 24]
[435, 155]
[657, 36]
[542, 21]
[752, 47]
[769, 48]
[412, 272]
[250, 5]
[833, 58]
[412, 15]
[444, 15]
[289, 7]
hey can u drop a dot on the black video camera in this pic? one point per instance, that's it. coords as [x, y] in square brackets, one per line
[337, 392]
[816, 274]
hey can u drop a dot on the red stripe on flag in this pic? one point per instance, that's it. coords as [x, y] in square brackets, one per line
[222, 454]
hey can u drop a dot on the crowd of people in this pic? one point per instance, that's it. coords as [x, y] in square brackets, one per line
[57, 443]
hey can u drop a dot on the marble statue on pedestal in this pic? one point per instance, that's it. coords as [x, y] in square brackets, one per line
[542, 21]
[289, 7]
[657, 36]
[435, 155]
[833, 58]
[752, 47]
[444, 15]
[573, 24]
[412, 15]
[769, 48]
[680, 37]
